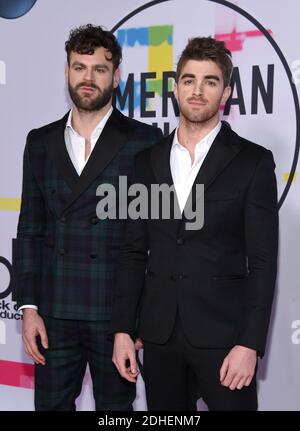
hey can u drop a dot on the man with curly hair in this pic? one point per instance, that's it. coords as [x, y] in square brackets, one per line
[65, 255]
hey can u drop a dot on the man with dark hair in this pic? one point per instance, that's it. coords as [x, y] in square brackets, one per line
[202, 297]
[208, 49]
[65, 256]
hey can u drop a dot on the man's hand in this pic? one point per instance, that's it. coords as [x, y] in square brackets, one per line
[124, 351]
[33, 325]
[238, 367]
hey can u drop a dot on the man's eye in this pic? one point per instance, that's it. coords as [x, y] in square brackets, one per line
[99, 70]
[212, 83]
[78, 68]
[187, 81]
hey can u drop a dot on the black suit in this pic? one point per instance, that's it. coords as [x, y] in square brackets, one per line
[220, 278]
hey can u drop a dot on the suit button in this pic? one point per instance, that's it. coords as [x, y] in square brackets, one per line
[94, 220]
[180, 241]
[173, 277]
[62, 251]
[53, 191]
[93, 255]
[180, 276]
[63, 219]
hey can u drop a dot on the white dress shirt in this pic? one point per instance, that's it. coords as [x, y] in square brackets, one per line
[76, 149]
[183, 171]
[76, 144]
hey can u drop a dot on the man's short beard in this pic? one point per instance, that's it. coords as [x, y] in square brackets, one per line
[87, 104]
[201, 118]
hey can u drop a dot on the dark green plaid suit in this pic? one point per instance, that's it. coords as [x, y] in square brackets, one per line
[66, 257]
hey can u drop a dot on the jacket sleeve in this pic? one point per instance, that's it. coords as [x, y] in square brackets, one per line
[261, 231]
[159, 134]
[30, 233]
[130, 276]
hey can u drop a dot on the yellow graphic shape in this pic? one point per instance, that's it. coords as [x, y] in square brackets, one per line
[160, 58]
[160, 55]
[286, 176]
[10, 204]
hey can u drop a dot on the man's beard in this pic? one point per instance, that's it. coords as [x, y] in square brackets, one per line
[200, 117]
[90, 102]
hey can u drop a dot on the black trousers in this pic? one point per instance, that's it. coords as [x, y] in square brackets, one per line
[167, 371]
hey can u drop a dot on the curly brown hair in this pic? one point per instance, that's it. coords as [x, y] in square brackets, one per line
[85, 39]
[207, 48]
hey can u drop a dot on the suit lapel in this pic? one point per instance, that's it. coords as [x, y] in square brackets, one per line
[113, 137]
[224, 148]
[57, 151]
[160, 159]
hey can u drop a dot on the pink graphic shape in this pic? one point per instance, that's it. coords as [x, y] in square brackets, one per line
[17, 374]
[234, 41]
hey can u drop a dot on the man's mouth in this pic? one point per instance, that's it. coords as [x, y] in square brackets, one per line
[196, 102]
[87, 88]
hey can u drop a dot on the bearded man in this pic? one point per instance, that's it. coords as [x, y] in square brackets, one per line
[65, 256]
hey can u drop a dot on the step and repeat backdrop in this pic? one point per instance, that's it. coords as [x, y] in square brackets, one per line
[263, 36]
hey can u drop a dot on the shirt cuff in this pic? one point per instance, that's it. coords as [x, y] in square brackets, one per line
[27, 306]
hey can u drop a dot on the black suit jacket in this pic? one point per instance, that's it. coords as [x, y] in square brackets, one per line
[65, 257]
[221, 278]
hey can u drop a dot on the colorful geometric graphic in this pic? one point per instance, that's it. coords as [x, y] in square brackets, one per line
[235, 39]
[159, 42]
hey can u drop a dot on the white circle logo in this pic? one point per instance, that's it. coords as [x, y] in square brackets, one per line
[152, 38]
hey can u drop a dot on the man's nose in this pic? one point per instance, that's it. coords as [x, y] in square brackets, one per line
[198, 88]
[88, 76]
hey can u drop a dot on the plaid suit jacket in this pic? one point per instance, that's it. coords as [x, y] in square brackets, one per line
[65, 258]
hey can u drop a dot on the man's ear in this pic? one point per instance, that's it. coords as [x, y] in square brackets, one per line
[226, 94]
[67, 72]
[116, 78]
[175, 91]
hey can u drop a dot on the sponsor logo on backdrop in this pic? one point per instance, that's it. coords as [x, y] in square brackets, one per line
[296, 332]
[146, 91]
[12, 9]
[5, 290]
[138, 93]
[8, 309]
[152, 39]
